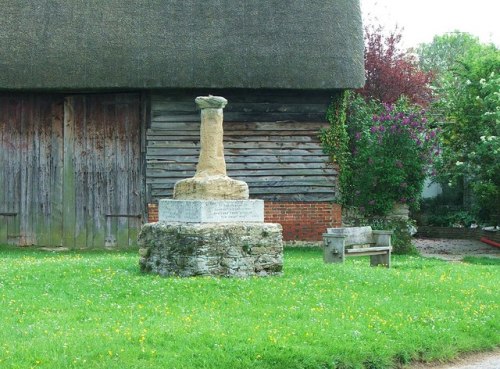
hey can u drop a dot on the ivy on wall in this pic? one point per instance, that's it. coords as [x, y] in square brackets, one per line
[335, 140]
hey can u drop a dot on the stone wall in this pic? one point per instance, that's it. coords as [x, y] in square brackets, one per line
[456, 233]
[202, 249]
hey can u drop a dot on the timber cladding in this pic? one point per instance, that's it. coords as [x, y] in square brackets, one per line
[70, 170]
[270, 141]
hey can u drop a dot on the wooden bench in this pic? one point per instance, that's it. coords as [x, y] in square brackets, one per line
[340, 243]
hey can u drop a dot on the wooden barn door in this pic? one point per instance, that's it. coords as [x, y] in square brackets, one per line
[70, 170]
[31, 157]
[102, 193]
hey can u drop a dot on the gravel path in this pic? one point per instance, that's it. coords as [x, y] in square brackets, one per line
[455, 250]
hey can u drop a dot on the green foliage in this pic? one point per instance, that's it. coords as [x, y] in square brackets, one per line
[443, 211]
[335, 140]
[401, 238]
[442, 53]
[469, 98]
[95, 310]
[392, 149]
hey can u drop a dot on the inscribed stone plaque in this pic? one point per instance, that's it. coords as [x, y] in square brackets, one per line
[211, 211]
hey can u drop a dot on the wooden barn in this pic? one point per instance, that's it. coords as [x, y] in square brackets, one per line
[98, 120]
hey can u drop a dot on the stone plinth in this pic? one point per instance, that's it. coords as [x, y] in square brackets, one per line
[202, 249]
[218, 187]
[211, 211]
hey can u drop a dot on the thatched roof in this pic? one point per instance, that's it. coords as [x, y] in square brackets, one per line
[109, 44]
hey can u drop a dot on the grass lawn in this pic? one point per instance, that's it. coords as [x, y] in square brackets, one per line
[95, 310]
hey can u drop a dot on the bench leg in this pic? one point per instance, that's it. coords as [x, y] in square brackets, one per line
[384, 260]
[333, 250]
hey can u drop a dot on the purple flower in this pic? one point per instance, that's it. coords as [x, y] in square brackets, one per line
[362, 209]
[399, 164]
[373, 129]
[371, 202]
[402, 200]
[357, 136]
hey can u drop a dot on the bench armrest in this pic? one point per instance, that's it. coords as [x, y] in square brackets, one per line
[382, 238]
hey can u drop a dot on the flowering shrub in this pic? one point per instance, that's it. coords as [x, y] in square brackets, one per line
[392, 152]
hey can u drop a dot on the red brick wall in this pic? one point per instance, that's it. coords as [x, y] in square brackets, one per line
[301, 221]
[152, 213]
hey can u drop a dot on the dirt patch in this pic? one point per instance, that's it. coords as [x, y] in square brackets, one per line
[483, 360]
[454, 250]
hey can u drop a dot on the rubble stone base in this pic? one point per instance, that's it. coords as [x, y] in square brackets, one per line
[211, 249]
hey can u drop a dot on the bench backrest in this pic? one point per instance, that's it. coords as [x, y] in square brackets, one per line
[354, 235]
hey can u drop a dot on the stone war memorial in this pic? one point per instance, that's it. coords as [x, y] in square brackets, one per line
[211, 227]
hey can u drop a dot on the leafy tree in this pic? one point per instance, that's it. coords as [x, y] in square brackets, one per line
[392, 72]
[469, 99]
[444, 51]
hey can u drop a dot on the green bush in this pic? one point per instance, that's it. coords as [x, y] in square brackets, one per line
[401, 238]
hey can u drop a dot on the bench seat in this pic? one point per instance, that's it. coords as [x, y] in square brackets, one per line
[340, 243]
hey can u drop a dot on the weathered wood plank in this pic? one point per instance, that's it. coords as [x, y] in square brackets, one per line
[56, 177]
[14, 172]
[229, 127]
[4, 138]
[234, 145]
[43, 133]
[69, 200]
[135, 185]
[177, 116]
[161, 107]
[97, 221]
[259, 192]
[122, 179]
[82, 169]
[228, 138]
[243, 159]
[110, 194]
[196, 134]
[250, 167]
[153, 151]
[282, 173]
[25, 213]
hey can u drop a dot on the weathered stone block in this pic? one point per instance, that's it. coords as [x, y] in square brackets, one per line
[230, 249]
[218, 187]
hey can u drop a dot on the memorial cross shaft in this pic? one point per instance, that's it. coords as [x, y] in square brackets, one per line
[210, 181]
[211, 161]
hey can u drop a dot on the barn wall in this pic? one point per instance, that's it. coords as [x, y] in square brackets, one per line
[270, 140]
[71, 171]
